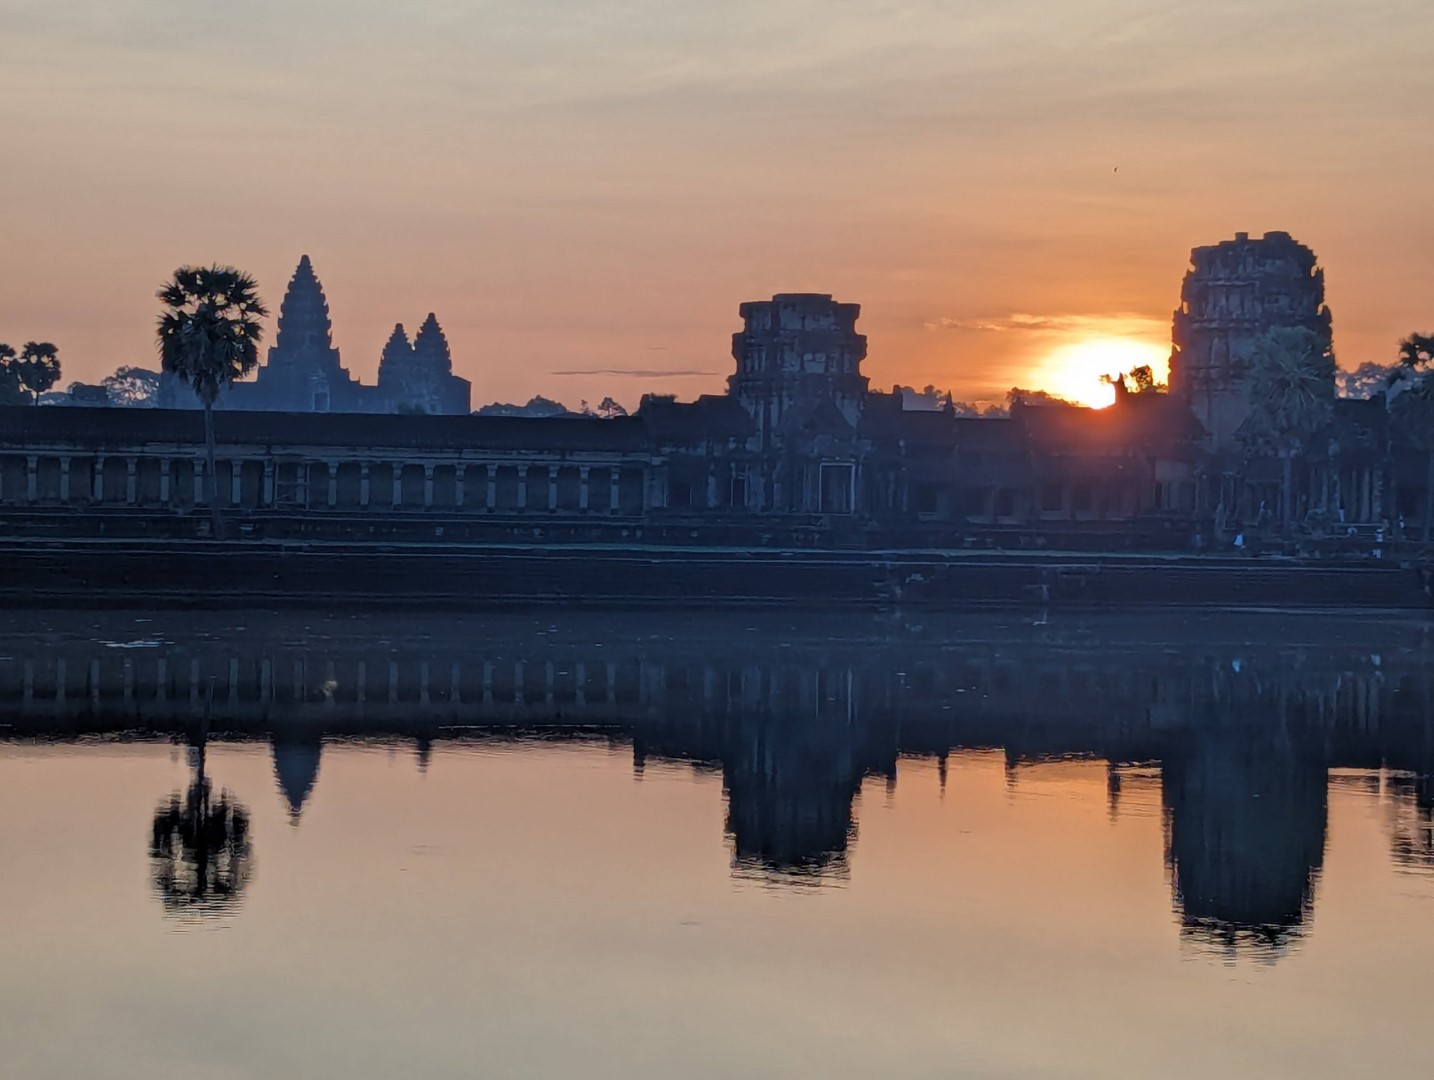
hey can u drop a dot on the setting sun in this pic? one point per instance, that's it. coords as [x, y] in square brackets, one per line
[1073, 371]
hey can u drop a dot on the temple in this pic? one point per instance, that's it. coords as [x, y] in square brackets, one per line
[303, 372]
[799, 450]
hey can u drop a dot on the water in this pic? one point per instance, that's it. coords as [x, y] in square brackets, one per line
[710, 847]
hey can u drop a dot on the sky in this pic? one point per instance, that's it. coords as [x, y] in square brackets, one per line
[585, 191]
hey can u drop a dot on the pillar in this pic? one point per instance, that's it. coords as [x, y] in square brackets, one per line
[397, 484]
[363, 486]
[236, 483]
[164, 481]
[522, 487]
[97, 480]
[65, 480]
[131, 467]
[32, 479]
[583, 471]
[302, 484]
[201, 484]
[490, 499]
[460, 475]
[428, 487]
[614, 505]
[711, 485]
[552, 471]
[333, 499]
[269, 482]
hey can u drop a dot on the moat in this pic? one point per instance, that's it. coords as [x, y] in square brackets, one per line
[745, 843]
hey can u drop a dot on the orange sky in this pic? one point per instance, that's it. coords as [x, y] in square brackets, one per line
[584, 193]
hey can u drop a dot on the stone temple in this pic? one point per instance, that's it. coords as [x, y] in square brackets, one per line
[303, 372]
[1234, 292]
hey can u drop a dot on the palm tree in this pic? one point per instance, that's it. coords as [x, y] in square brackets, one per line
[1291, 398]
[209, 337]
[1412, 408]
[199, 847]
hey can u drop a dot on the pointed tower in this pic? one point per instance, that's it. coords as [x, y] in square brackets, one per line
[421, 377]
[430, 348]
[397, 354]
[303, 372]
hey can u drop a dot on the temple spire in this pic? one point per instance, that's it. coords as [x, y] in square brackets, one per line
[430, 347]
[305, 331]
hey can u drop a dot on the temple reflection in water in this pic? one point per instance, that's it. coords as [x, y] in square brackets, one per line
[797, 722]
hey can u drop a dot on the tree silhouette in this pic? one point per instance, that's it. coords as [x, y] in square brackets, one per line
[133, 387]
[199, 851]
[1412, 409]
[1291, 398]
[24, 377]
[209, 337]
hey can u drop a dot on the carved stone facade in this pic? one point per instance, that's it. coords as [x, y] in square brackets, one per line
[1234, 292]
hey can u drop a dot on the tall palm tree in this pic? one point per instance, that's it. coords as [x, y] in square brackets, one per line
[199, 850]
[209, 337]
[1291, 398]
[1412, 408]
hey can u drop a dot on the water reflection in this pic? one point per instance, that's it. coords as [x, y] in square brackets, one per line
[200, 852]
[798, 721]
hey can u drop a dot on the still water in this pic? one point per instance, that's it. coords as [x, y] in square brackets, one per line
[642, 846]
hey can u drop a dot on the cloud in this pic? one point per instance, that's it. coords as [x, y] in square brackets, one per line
[638, 373]
[1119, 324]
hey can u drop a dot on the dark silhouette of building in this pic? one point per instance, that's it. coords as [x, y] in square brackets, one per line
[1234, 292]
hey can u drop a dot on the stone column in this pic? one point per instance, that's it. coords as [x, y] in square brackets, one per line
[303, 484]
[131, 466]
[65, 480]
[490, 499]
[200, 486]
[236, 482]
[164, 481]
[397, 484]
[711, 485]
[614, 505]
[269, 482]
[428, 487]
[460, 476]
[363, 486]
[97, 480]
[523, 487]
[333, 484]
[583, 471]
[552, 471]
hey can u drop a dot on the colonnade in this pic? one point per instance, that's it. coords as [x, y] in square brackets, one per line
[179, 482]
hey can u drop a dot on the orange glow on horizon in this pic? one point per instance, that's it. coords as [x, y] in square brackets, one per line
[1074, 370]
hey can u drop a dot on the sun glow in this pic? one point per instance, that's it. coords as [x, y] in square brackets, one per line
[1073, 371]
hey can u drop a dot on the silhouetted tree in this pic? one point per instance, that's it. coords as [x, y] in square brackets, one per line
[24, 377]
[1412, 410]
[209, 337]
[132, 387]
[1291, 398]
[199, 849]
[609, 409]
[1364, 381]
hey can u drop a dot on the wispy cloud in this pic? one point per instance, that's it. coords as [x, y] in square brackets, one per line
[637, 373]
[1124, 324]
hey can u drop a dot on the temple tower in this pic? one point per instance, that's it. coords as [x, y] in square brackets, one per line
[1233, 293]
[303, 372]
[421, 376]
[799, 378]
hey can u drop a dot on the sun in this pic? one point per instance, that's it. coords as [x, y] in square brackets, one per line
[1073, 371]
